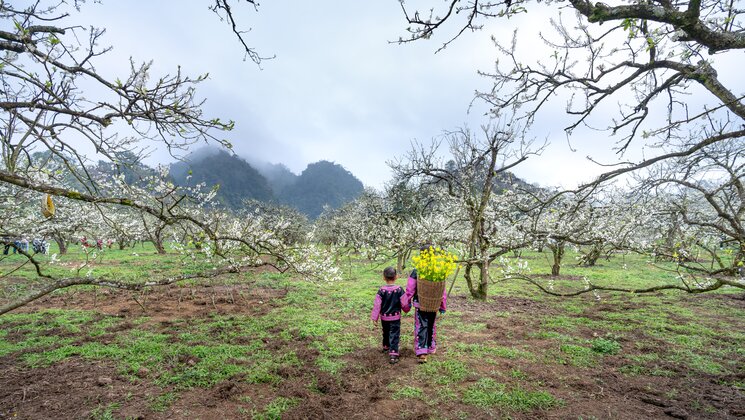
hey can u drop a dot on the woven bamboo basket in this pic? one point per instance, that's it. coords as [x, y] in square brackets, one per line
[429, 294]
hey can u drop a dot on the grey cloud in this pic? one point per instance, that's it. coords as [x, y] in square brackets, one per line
[338, 90]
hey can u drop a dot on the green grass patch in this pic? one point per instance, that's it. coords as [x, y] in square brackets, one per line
[518, 374]
[487, 393]
[572, 354]
[105, 412]
[274, 410]
[330, 365]
[550, 335]
[482, 350]
[409, 392]
[443, 372]
[162, 402]
[633, 370]
[605, 346]
[697, 362]
[181, 365]
[336, 345]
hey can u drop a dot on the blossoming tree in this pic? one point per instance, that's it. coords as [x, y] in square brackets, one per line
[55, 102]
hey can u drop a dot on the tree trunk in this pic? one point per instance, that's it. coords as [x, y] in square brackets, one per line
[157, 238]
[478, 291]
[670, 239]
[159, 245]
[592, 256]
[156, 235]
[737, 268]
[467, 276]
[484, 281]
[558, 253]
[61, 244]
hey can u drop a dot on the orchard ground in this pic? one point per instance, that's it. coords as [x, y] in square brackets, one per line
[266, 345]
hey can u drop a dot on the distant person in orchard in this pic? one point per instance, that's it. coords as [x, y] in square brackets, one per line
[387, 309]
[425, 332]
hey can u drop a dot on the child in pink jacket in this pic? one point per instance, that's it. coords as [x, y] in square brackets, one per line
[387, 308]
[425, 332]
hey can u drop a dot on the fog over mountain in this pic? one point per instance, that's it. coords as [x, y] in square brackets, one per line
[237, 179]
[321, 184]
[278, 175]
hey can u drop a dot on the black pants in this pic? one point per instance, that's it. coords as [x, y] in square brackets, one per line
[425, 335]
[391, 335]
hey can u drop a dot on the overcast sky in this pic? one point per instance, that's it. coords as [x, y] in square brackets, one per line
[338, 89]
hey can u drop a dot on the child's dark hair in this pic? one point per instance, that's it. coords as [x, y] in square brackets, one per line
[389, 273]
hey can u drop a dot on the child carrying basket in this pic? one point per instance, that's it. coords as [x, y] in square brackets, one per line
[426, 291]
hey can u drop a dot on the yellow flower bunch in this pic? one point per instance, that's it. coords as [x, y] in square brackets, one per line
[434, 264]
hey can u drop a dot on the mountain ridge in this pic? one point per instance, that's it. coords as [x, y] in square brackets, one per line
[321, 183]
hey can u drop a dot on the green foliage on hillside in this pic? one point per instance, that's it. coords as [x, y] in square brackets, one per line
[237, 179]
[321, 183]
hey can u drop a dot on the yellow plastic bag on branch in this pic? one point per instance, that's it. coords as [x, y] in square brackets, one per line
[47, 206]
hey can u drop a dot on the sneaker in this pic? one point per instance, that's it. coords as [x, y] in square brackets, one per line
[422, 358]
[394, 360]
[385, 350]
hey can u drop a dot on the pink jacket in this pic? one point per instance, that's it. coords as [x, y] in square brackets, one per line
[389, 302]
[411, 294]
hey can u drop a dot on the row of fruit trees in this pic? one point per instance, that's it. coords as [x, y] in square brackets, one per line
[79, 136]
[688, 214]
